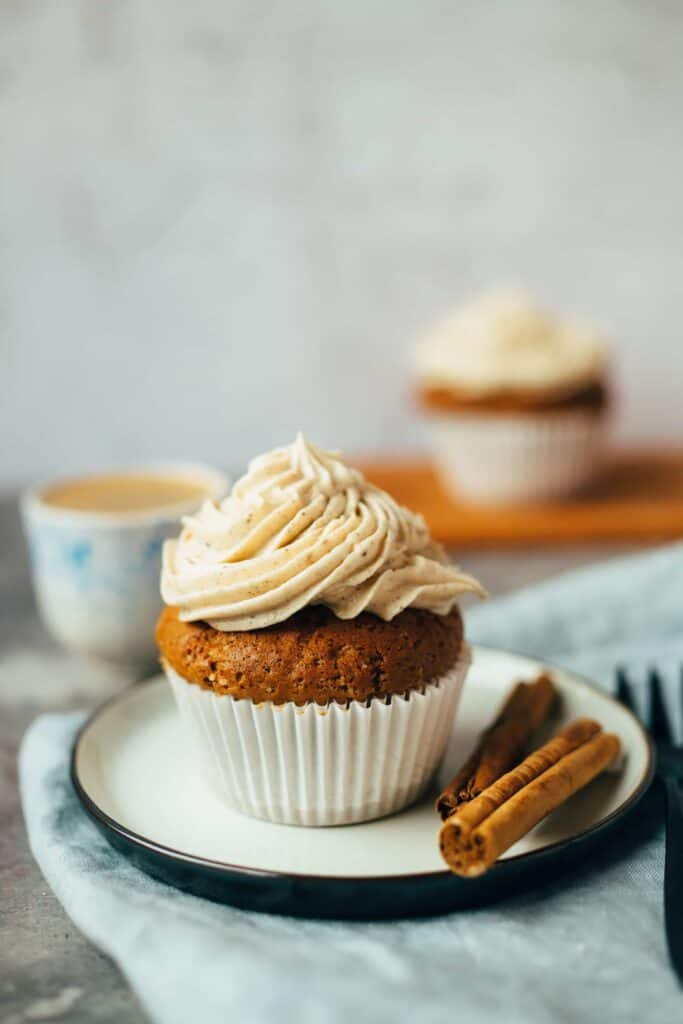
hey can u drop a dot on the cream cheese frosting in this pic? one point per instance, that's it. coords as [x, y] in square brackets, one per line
[503, 341]
[302, 528]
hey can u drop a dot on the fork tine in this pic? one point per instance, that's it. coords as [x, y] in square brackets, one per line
[658, 718]
[624, 692]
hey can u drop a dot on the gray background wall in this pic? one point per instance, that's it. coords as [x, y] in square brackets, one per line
[221, 221]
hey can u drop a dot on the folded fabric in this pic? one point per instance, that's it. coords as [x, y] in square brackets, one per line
[586, 948]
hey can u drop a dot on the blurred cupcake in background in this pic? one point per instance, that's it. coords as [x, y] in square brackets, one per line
[515, 399]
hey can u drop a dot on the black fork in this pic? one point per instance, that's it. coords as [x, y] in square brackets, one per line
[670, 771]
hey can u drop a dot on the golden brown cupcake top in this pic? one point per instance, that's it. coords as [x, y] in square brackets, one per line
[314, 656]
[591, 398]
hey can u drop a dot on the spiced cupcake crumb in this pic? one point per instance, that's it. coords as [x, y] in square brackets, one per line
[314, 656]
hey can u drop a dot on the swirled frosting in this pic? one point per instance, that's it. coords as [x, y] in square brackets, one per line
[503, 341]
[303, 528]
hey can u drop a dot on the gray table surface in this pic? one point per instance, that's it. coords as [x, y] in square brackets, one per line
[48, 971]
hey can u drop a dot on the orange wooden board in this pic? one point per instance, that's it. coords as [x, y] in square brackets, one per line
[639, 497]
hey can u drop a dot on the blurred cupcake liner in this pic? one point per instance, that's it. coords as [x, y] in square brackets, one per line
[322, 765]
[499, 459]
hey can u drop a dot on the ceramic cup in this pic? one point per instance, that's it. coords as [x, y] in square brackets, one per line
[96, 575]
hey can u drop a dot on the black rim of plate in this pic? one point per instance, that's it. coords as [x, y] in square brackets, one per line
[346, 896]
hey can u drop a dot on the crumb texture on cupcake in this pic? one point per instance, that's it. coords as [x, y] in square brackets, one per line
[302, 528]
[314, 656]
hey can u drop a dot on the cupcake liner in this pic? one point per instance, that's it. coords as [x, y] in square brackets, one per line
[517, 458]
[321, 765]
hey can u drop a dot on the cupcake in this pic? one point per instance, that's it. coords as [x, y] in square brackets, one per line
[313, 642]
[515, 399]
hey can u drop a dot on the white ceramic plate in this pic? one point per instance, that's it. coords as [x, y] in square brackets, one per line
[136, 777]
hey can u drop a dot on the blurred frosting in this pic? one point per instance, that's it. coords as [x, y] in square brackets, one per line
[502, 341]
[303, 528]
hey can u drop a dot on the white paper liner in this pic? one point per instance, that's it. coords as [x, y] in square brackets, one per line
[315, 765]
[517, 458]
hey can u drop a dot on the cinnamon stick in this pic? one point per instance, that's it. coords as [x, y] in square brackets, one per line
[476, 835]
[502, 745]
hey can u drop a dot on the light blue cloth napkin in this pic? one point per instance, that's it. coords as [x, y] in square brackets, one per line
[588, 948]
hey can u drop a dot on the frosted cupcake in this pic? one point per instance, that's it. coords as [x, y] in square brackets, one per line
[515, 399]
[313, 642]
